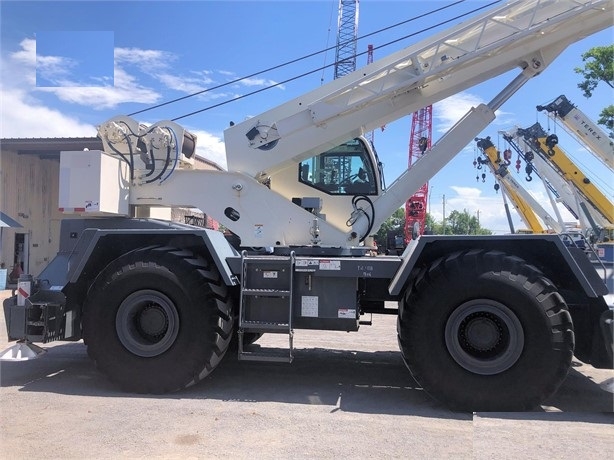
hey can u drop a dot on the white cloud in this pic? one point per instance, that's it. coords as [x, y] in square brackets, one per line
[447, 112]
[51, 68]
[148, 61]
[450, 110]
[211, 147]
[491, 209]
[188, 85]
[24, 115]
[125, 89]
[29, 118]
[54, 68]
[259, 82]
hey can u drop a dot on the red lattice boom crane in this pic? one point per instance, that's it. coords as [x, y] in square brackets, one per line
[419, 143]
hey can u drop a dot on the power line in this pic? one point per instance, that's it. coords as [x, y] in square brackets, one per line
[308, 72]
[293, 61]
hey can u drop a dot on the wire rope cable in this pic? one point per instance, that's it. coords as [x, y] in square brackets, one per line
[321, 68]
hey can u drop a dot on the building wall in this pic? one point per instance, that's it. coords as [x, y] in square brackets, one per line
[29, 194]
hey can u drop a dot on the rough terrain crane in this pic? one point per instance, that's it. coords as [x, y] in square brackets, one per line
[484, 323]
[546, 145]
[529, 209]
[568, 193]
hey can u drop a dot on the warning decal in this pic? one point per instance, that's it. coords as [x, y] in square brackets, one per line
[348, 313]
[330, 265]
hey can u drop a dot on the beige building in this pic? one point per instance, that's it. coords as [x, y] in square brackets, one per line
[29, 190]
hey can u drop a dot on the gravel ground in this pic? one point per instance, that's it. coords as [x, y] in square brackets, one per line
[345, 395]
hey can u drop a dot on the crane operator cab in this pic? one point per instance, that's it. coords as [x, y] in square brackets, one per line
[333, 178]
[347, 169]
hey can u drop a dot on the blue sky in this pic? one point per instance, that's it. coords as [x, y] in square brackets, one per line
[68, 66]
[86, 58]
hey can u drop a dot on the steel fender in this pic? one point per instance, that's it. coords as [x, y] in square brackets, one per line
[88, 245]
[566, 267]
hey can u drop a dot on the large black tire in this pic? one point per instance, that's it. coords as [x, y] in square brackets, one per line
[484, 331]
[158, 319]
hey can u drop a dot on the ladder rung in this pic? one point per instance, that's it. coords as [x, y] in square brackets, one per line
[272, 325]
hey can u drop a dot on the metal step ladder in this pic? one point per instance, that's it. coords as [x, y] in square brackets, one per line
[266, 304]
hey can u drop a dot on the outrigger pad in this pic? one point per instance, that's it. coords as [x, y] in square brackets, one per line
[22, 351]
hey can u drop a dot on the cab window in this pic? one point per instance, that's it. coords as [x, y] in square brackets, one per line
[342, 170]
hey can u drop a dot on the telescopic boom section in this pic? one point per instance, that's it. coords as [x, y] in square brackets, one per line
[524, 34]
[582, 128]
[546, 146]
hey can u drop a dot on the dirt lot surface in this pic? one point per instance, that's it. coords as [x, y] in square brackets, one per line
[345, 395]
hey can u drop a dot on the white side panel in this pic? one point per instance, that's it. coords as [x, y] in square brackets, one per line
[93, 182]
[260, 216]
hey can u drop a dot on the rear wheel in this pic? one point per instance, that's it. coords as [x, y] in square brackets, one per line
[158, 319]
[484, 331]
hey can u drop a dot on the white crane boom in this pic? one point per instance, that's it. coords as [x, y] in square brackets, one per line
[520, 34]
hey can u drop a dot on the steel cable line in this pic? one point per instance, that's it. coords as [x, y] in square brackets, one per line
[293, 61]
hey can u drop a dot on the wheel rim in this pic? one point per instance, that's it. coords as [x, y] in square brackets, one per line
[147, 323]
[484, 336]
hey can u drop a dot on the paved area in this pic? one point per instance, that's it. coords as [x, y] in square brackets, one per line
[345, 395]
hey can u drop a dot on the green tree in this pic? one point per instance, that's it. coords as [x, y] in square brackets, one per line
[606, 118]
[463, 223]
[431, 226]
[395, 224]
[457, 223]
[598, 68]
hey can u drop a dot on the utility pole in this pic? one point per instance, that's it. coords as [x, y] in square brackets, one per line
[476, 230]
[444, 214]
[430, 210]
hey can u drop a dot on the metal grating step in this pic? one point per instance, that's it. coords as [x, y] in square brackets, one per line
[260, 326]
[265, 357]
[266, 277]
[266, 292]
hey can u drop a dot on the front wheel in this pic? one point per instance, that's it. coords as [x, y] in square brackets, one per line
[484, 331]
[158, 319]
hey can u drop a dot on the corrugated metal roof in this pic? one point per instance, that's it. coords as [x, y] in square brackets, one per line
[49, 146]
